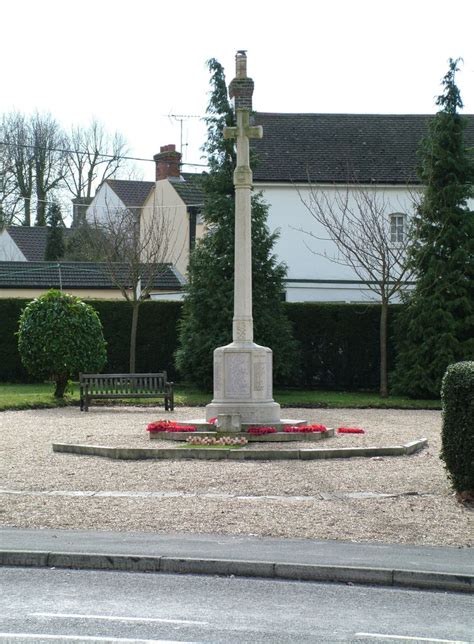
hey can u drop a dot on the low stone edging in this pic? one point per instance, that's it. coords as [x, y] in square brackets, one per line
[278, 437]
[238, 454]
[223, 567]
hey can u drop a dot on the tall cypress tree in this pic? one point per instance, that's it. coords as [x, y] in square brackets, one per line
[437, 325]
[55, 246]
[208, 306]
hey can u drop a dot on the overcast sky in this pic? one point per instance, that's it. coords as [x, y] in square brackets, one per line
[133, 63]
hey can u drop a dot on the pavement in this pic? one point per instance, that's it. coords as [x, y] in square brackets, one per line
[427, 567]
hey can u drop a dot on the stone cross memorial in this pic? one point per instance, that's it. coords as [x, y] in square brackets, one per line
[243, 386]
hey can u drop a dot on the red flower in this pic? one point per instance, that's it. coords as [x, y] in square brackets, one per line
[169, 426]
[304, 429]
[212, 421]
[350, 430]
[158, 426]
[260, 431]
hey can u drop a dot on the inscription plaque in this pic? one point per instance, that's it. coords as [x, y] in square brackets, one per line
[237, 374]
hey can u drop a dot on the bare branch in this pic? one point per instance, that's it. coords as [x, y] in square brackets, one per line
[357, 220]
[87, 167]
[136, 248]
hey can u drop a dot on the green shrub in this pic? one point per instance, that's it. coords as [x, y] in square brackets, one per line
[457, 397]
[58, 336]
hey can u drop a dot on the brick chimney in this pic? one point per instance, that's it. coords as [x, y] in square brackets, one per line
[168, 162]
[241, 88]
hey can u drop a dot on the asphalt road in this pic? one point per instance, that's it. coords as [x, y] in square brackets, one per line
[44, 605]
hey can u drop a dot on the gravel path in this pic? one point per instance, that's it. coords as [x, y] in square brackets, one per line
[423, 510]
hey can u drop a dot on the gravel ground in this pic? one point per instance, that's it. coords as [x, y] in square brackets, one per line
[311, 499]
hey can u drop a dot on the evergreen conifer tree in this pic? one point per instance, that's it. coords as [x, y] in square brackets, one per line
[208, 306]
[55, 241]
[436, 327]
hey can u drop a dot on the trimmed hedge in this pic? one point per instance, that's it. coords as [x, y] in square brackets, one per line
[11, 368]
[457, 397]
[156, 338]
[339, 342]
[156, 335]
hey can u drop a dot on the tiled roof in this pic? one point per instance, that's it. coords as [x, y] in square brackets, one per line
[337, 148]
[190, 189]
[76, 275]
[131, 193]
[31, 240]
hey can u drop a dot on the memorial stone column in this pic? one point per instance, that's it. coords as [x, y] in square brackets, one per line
[243, 387]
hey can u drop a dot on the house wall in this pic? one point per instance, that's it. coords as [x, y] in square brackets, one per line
[165, 202]
[314, 277]
[9, 251]
[105, 203]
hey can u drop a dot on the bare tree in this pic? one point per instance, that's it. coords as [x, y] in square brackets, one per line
[357, 221]
[136, 250]
[10, 200]
[94, 157]
[50, 155]
[18, 164]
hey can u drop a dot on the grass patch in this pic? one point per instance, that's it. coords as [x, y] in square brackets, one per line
[40, 395]
[30, 396]
[356, 400]
[187, 395]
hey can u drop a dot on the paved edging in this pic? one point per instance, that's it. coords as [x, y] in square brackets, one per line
[225, 567]
[174, 453]
[277, 437]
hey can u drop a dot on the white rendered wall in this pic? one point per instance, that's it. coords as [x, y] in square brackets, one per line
[308, 258]
[9, 251]
[165, 203]
[104, 205]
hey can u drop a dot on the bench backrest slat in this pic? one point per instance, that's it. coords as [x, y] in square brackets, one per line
[124, 383]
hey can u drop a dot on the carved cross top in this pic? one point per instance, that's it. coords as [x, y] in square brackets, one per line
[243, 129]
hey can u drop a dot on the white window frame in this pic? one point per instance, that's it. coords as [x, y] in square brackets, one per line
[397, 227]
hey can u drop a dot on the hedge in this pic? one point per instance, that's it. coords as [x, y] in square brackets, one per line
[457, 434]
[339, 342]
[156, 338]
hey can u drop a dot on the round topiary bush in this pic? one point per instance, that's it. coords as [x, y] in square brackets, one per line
[59, 335]
[457, 397]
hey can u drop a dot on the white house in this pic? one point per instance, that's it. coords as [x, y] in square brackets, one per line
[169, 207]
[328, 155]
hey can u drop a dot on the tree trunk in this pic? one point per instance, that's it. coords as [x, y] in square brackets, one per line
[61, 384]
[133, 336]
[383, 348]
[41, 208]
[27, 214]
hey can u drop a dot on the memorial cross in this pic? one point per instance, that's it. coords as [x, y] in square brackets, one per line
[242, 325]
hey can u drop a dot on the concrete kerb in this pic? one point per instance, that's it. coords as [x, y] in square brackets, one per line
[173, 453]
[226, 567]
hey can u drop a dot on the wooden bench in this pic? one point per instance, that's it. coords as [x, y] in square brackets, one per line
[125, 385]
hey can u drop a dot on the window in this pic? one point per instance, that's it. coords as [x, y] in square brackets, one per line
[397, 228]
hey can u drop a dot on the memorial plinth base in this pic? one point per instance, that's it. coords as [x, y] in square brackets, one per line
[243, 388]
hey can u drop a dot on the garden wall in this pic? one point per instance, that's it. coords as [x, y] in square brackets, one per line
[339, 342]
